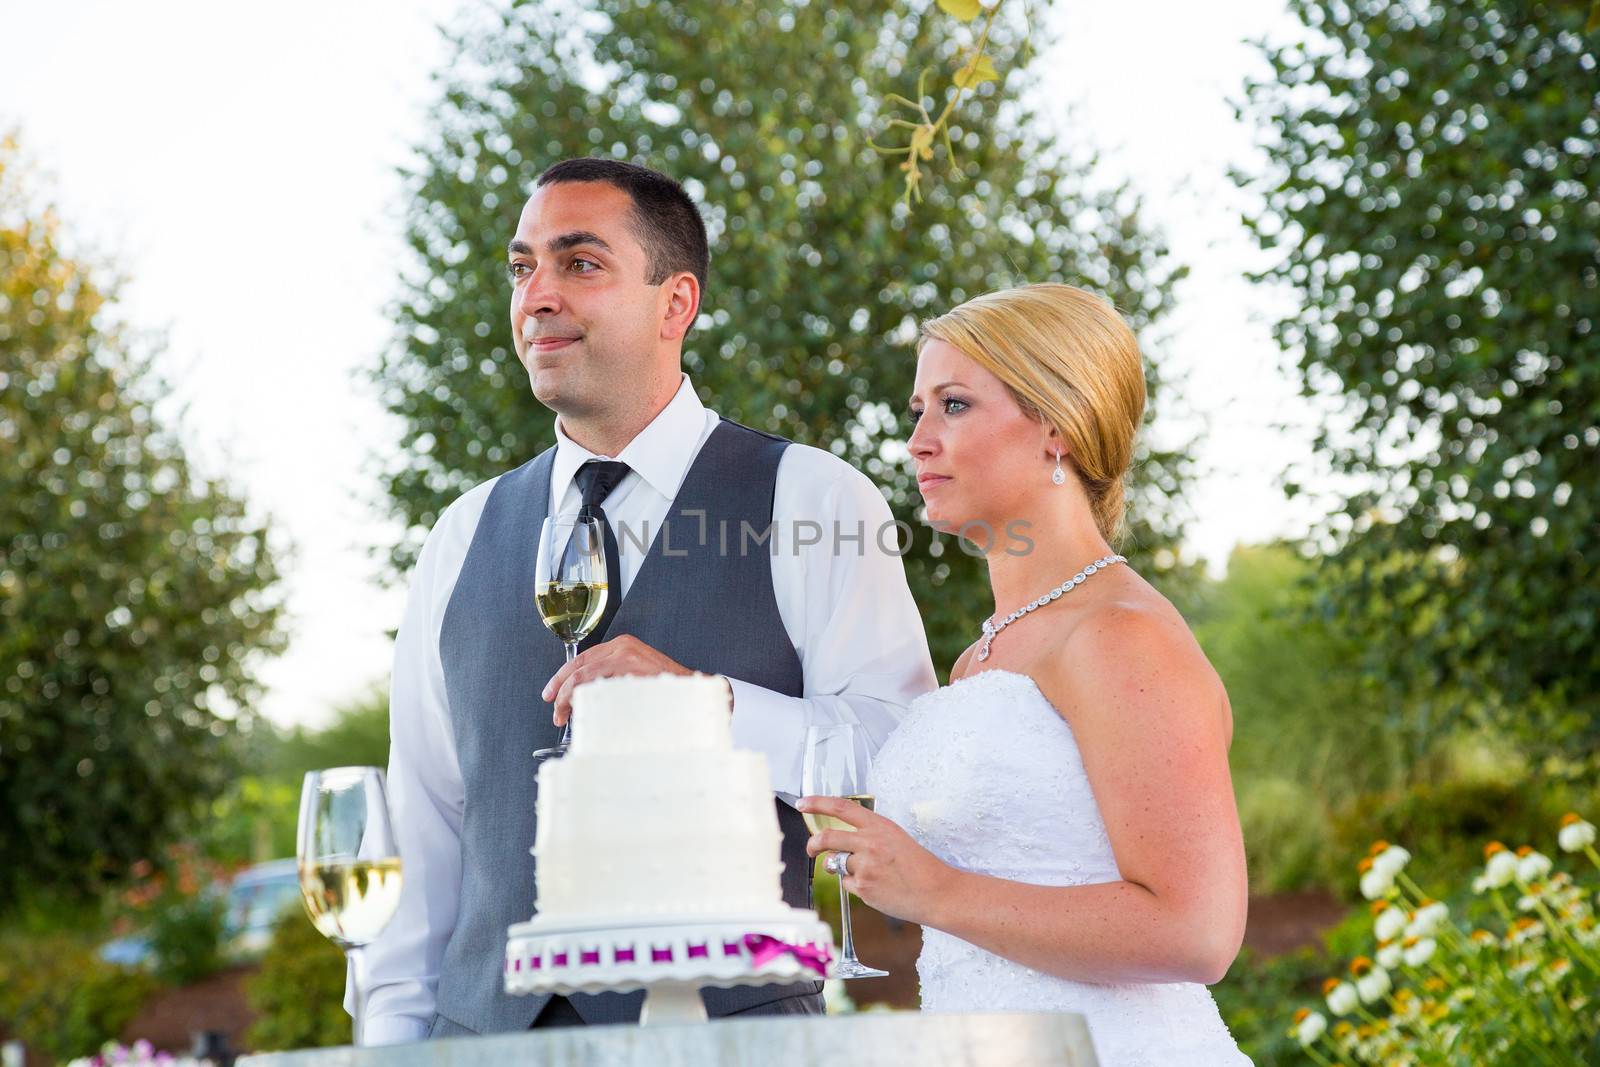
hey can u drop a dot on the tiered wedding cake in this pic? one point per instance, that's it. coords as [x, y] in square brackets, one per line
[653, 812]
[657, 852]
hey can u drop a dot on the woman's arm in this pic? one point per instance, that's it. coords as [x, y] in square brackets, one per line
[1150, 719]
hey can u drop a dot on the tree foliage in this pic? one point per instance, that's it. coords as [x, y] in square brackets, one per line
[1432, 198]
[819, 277]
[132, 593]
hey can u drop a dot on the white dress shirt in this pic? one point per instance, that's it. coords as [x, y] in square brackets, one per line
[841, 594]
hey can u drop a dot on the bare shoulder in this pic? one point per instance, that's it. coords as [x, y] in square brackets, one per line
[959, 671]
[1133, 659]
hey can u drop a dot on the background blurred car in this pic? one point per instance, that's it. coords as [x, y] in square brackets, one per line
[256, 897]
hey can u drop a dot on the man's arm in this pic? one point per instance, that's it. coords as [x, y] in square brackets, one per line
[400, 969]
[846, 605]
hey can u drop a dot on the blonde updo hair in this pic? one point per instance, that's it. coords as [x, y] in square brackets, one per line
[1070, 362]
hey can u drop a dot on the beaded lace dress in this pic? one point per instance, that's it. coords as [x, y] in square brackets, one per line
[987, 776]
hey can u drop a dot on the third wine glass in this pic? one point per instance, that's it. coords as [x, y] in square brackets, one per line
[833, 768]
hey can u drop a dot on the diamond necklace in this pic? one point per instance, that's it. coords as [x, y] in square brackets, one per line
[989, 627]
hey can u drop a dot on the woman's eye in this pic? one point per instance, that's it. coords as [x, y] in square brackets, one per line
[953, 406]
[915, 413]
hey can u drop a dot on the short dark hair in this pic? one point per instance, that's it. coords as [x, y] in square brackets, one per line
[668, 224]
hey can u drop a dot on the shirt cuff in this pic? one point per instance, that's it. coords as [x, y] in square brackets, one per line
[394, 1030]
[761, 725]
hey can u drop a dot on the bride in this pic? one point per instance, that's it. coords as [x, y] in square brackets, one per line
[1060, 818]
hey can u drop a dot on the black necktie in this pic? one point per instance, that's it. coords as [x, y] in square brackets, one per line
[596, 479]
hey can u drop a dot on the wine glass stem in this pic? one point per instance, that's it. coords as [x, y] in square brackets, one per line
[358, 995]
[566, 731]
[844, 921]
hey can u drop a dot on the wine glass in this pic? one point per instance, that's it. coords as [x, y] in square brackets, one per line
[570, 587]
[349, 863]
[833, 769]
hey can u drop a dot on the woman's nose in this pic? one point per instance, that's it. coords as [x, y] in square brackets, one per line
[923, 441]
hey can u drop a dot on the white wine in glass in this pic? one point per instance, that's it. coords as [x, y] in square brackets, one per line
[832, 768]
[816, 822]
[349, 863]
[570, 588]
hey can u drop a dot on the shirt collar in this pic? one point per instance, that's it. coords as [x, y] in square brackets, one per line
[660, 453]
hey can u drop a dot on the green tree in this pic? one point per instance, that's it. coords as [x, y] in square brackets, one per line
[819, 276]
[298, 994]
[1432, 198]
[133, 594]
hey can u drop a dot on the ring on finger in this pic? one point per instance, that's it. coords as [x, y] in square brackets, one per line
[838, 863]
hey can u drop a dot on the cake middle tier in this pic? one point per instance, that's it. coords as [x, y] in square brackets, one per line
[679, 833]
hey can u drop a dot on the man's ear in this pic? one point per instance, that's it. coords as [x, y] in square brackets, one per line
[683, 306]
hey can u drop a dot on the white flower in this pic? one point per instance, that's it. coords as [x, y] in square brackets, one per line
[1480, 885]
[1389, 923]
[1388, 954]
[1576, 835]
[1342, 999]
[1391, 860]
[1313, 1026]
[835, 998]
[1501, 869]
[1376, 883]
[1427, 919]
[1420, 952]
[1533, 866]
[1373, 985]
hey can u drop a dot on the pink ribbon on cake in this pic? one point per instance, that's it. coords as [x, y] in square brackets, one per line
[764, 948]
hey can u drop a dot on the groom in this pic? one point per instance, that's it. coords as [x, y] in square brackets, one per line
[607, 268]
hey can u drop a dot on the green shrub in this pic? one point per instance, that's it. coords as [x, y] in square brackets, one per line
[1252, 996]
[1286, 834]
[186, 937]
[1449, 822]
[298, 994]
[60, 999]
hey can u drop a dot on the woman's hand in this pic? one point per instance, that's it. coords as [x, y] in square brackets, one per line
[887, 869]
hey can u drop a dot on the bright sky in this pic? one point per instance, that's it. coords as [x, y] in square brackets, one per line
[236, 162]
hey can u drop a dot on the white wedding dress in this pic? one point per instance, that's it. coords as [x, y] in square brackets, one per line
[986, 775]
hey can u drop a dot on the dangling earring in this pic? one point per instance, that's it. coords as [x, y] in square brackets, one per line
[1059, 476]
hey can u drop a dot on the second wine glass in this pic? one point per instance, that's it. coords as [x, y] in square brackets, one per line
[349, 863]
[570, 588]
[834, 768]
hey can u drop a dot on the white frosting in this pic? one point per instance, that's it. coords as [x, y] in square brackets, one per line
[661, 713]
[653, 812]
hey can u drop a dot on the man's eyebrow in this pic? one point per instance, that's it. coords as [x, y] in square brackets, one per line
[561, 244]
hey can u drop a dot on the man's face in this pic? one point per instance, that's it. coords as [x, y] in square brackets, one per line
[585, 322]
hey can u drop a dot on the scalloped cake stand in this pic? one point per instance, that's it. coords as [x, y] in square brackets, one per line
[671, 960]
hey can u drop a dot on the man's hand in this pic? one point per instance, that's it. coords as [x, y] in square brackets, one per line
[618, 657]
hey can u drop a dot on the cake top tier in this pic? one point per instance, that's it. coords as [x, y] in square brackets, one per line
[651, 714]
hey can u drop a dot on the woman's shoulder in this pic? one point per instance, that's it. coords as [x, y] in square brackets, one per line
[1130, 651]
[959, 670]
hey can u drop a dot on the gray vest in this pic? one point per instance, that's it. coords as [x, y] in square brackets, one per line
[711, 610]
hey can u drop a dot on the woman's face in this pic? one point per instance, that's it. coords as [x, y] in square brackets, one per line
[979, 457]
